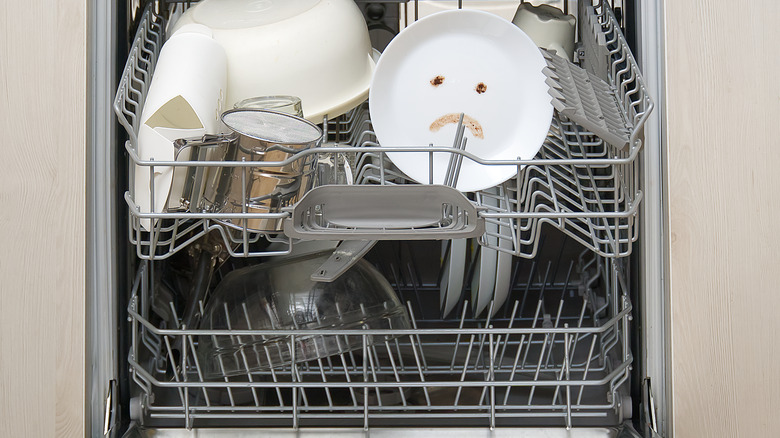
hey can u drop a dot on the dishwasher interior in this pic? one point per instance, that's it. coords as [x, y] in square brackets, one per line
[560, 351]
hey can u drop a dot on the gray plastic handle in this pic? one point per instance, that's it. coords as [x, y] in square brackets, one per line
[389, 212]
[344, 257]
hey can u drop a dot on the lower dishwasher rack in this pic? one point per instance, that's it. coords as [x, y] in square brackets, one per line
[557, 354]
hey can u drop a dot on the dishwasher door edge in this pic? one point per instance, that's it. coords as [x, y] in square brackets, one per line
[101, 226]
[653, 259]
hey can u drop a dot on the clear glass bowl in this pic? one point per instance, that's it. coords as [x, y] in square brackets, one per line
[279, 295]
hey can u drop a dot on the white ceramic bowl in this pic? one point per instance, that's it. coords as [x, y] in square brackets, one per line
[317, 50]
[503, 8]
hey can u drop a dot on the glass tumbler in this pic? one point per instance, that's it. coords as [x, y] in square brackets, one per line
[282, 104]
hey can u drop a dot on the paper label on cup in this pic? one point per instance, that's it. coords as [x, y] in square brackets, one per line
[177, 113]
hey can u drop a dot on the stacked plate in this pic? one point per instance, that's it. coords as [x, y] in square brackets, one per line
[480, 68]
[491, 268]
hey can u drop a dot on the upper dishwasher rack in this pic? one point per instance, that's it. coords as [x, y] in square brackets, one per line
[578, 183]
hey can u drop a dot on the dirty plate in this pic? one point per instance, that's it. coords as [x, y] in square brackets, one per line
[455, 62]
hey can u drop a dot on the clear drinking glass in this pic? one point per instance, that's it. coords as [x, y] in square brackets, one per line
[282, 104]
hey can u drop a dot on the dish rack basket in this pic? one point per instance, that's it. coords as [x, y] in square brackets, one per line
[579, 183]
[557, 354]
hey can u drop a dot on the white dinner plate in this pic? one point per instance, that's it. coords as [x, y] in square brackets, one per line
[453, 62]
[483, 281]
[504, 263]
[452, 278]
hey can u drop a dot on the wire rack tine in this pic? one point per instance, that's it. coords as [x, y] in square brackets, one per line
[242, 352]
[172, 363]
[365, 381]
[457, 339]
[506, 342]
[465, 369]
[395, 373]
[566, 362]
[222, 369]
[373, 363]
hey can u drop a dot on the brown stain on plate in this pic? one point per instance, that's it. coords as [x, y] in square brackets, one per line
[438, 80]
[469, 122]
[481, 87]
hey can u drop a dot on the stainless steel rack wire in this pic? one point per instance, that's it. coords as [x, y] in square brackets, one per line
[557, 354]
[577, 183]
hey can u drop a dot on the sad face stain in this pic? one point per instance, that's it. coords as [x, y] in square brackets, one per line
[469, 122]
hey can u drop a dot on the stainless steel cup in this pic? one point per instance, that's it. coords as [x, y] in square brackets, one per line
[255, 136]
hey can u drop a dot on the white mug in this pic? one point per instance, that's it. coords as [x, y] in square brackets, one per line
[185, 99]
[548, 27]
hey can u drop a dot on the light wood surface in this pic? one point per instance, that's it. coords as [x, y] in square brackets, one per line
[42, 217]
[723, 102]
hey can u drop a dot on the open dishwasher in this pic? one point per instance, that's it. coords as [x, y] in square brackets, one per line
[558, 354]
